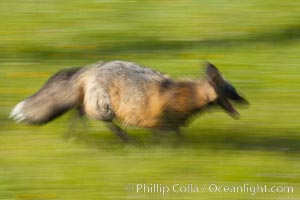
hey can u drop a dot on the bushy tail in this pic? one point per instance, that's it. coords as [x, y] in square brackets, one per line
[60, 93]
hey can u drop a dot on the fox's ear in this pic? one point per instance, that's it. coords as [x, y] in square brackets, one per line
[214, 75]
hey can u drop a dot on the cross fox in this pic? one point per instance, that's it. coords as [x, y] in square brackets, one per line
[128, 93]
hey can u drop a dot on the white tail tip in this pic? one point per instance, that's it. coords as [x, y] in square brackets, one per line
[17, 113]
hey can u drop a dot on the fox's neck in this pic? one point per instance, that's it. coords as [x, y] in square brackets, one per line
[189, 96]
[205, 93]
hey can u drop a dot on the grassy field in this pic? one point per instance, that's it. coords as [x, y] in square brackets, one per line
[254, 43]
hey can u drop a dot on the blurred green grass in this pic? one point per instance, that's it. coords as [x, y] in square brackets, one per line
[254, 43]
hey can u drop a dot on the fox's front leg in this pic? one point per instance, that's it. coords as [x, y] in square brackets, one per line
[165, 131]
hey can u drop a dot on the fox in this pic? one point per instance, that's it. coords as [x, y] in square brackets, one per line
[122, 92]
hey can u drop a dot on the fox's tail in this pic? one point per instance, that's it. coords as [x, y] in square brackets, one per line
[59, 94]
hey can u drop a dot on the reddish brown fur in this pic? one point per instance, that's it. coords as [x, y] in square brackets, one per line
[164, 106]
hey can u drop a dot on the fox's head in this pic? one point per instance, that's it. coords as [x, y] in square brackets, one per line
[225, 91]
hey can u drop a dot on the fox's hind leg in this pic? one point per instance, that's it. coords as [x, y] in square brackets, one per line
[118, 131]
[77, 125]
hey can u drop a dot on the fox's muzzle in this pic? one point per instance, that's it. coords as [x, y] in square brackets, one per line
[228, 92]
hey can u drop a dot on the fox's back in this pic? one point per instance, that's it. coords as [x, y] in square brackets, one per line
[129, 71]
